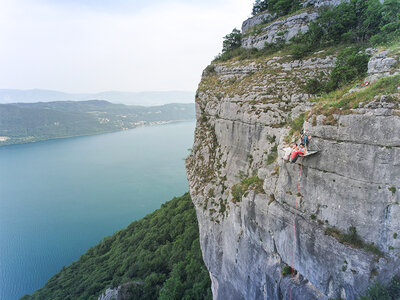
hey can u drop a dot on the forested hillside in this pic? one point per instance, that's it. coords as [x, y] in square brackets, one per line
[157, 257]
[30, 122]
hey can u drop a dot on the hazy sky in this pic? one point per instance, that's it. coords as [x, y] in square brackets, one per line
[98, 45]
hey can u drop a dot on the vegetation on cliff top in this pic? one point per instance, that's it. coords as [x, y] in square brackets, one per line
[341, 102]
[158, 256]
[276, 7]
[358, 22]
[362, 23]
[351, 64]
[232, 41]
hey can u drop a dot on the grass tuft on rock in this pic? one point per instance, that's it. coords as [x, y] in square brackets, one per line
[352, 239]
[253, 183]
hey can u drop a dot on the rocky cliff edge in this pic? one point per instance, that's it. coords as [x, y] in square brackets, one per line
[245, 194]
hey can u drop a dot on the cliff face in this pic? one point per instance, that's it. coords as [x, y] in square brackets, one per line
[258, 30]
[243, 108]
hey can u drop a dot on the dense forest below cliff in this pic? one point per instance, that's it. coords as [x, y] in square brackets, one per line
[157, 257]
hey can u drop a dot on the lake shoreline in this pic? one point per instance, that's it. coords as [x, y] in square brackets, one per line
[158, 123]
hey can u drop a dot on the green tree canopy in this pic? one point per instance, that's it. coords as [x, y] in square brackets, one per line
[232, 41]
[259, 6]
[158, 257]
[278, 7]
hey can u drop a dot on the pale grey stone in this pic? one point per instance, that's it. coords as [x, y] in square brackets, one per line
[279, 30]
[318, 3]
[119, 292]
[260, 18]
[381, 65]
[348, 183]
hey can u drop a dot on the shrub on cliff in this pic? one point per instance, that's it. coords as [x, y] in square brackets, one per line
[314, 86]
[253, 183]
[351, 64]
[286, 270]
[352, 239]
[380, 292]
[361, 22]
[252, 53]
[389, 29]
[232, 41]
[277, 7]
[272, 156]
[259, 6]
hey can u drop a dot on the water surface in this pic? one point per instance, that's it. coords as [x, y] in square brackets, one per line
[59, 197]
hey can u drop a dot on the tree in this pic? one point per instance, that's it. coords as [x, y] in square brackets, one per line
[350, 64]
[284, 7]
[391, 18]
[232, 41]
[259, 6]
[278, 7]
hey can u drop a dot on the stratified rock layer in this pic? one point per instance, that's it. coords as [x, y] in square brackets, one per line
[257, 35]
[280, 30]
[354, 180]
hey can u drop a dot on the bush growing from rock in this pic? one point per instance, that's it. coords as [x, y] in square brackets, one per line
[232, 41]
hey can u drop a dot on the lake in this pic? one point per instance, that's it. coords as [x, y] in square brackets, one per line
[60, 197]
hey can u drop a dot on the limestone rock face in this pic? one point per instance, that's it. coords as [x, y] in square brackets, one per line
[258, 19]
[382, 64]
[266, 16]
[319, 3]
[354, 181]
[110, 294]
[280, 30]
[119, 292]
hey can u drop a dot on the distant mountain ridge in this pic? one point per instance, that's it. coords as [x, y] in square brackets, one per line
[31, 122]
[132, 98]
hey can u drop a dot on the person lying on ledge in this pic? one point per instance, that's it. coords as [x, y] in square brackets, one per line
[287, 151]
[300, 150]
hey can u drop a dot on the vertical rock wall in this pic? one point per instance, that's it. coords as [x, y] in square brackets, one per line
[242, 110]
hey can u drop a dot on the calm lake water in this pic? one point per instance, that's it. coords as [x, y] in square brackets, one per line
[58, 198]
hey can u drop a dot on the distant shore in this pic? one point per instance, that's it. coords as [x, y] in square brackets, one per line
[10, 141]
[32, 122]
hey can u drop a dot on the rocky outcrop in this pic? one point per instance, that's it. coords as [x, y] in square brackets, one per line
[280, 30]
[243, 109]
[111, 294]
[319, 3]
[382, 64]
[261, 18]
[118, 293]
[266, 17]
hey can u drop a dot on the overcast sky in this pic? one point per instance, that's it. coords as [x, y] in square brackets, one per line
[97, 45]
